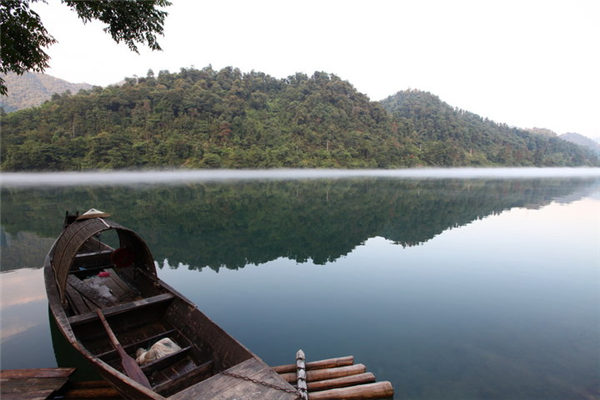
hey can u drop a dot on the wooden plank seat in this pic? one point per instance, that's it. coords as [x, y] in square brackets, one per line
[122, 308]
[92, 257]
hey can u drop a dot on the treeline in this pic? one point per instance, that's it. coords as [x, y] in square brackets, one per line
[226, 119]
[451, 136]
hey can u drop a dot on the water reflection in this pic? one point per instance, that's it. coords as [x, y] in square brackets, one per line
[238, 223]
[451, 289]
[24, 339]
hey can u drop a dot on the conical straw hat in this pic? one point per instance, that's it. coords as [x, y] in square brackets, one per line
[93, 213]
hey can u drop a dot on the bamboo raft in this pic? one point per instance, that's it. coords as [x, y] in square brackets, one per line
[333, 379]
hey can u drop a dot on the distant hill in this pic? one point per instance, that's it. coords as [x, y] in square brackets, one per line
[226, 119]
[581, 140]
[459, 137]
[32, 89]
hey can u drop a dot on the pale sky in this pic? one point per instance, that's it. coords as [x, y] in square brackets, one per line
[527, 63]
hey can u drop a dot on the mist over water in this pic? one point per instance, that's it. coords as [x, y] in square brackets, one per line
[18, 179]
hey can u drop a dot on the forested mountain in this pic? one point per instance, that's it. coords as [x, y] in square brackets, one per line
[458, 137]
[209, 118]
[32, 89]
[581, 140]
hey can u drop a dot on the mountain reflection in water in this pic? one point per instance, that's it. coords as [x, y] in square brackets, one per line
[502, 304]
[232, 224]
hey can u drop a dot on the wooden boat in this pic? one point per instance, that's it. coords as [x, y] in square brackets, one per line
[97, 264]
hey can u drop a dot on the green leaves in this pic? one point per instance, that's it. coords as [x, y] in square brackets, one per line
[23, 35]
[129, 21]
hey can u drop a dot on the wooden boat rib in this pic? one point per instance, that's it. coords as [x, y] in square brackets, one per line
[141, 309]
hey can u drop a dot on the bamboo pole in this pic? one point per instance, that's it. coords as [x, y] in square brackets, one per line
[328, 373]
[369, 391]
[328, 363]
[301, 375]
[344, 381]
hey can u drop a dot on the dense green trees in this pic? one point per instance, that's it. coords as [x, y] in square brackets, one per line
[450, 136]
[214, 119]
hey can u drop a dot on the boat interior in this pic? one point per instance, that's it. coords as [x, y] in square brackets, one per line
[140, 311]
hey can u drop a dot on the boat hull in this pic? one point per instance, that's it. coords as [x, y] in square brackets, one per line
[150, 310]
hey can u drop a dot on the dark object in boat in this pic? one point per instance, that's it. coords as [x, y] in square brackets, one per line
[141, 309]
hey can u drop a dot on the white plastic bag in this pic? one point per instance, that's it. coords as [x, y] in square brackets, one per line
[158, 350]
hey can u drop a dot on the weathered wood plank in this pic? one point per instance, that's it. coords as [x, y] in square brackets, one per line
[184, 380]
[87, 292]
[369, 391]
[120, 286]
[344, 381]
[223, 387]
[100, 390]
[92, 393]
[93, 255]
[76, 301]
[120, 308]
[328, 373]
[32, 384]
[328, 363]
[36, 373]
[26, 394]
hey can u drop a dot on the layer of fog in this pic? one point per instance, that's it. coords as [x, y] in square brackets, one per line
[26, 179]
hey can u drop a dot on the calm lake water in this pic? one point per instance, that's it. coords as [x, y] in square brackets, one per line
[453, 286]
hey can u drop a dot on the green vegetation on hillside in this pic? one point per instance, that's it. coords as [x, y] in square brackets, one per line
[450, 136]
[214, 119]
